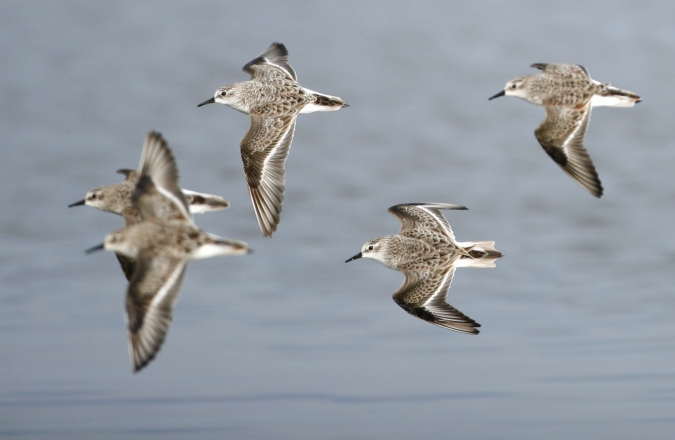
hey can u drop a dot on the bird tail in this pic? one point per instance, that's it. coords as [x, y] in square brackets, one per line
[215, 246]
[479, 254]
[200, 202]
[614, 97]
[323, 103]
[330, 101]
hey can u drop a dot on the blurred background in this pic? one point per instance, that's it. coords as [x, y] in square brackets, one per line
[289, 342]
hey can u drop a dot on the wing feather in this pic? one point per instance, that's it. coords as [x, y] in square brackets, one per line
[151, 296]
[158, 193]
[562, 137]
[424, 296]
[414, 216]
[274, 58]
[264, 151]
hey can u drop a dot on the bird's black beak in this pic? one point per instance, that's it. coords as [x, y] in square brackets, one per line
[208, 101]
[98, 247]
[355, 257]
[81, 202]
[502, 93]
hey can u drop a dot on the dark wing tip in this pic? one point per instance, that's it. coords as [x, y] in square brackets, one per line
[267, 209]
[465, 325]
[597, 191]
[276, 48]
[277, 51]
[142, 353]
[540, 66]
[141, 363]
[276, 55]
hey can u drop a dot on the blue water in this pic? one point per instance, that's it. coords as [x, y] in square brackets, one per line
[578, 318]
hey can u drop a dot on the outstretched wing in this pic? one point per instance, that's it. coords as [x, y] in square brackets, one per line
[423, 295]
[158, 193]
[270, 62]
[152, 293]
[424, 216]
[570, 70]
[264, 150]
[562, 137]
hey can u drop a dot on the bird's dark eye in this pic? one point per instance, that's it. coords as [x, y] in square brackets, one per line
[93, 196]
[513, 86]
[370, 248]
[223, 93]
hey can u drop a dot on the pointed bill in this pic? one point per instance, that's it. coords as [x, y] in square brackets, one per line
[98, 247]
[80, 203]
[208, 101]
[497, 95]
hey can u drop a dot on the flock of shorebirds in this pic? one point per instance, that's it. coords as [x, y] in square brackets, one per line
[160, 236]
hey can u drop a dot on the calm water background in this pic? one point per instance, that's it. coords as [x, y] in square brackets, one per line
[289, 342]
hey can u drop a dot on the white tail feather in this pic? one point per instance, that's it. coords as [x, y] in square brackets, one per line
[612, 101]
[480, 254]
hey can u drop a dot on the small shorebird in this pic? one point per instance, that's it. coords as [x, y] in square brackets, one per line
[426, 251]
[160, 245]
[568, 93]
[273, 99]
[116, 198]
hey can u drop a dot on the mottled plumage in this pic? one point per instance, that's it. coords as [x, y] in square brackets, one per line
[568, 93]
[160, 244]
[426, 251]
[116, 198]
[273, 99]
